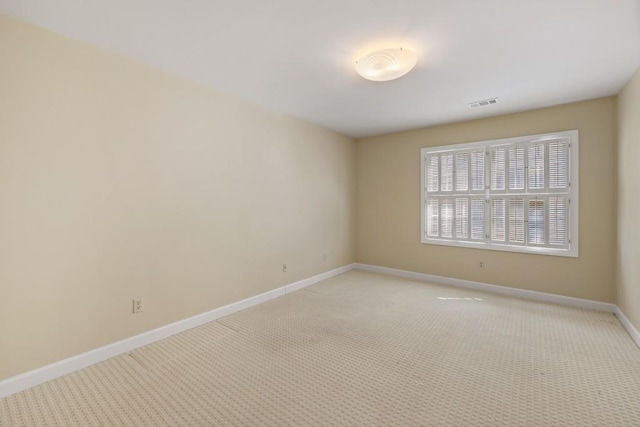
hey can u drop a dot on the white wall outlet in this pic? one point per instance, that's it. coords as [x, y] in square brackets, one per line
[324, 257]
[284, 268]
[138, 305]
[481, 265]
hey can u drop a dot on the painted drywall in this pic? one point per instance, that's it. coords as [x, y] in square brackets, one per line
[118, 181]
[628, 251]
[388, 208]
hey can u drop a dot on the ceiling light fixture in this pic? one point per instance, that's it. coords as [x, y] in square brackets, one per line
[386, 64]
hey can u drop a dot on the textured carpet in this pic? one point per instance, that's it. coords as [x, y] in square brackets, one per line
[362, 349]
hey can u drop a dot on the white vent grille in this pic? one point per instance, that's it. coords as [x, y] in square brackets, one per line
[483, 103]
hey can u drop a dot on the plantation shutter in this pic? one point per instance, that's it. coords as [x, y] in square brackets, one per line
[462, 171]
[536, 166]
[433, 211]
[446, 218]
[558, 224]
[462, 218]
[513, 194]
[477, 170]
[446, 172]
[432, 174]
[516, 168]
[498, 220]
[536, 222]
[477, 219]
[516, 220]
[558, 164]
[498, 166]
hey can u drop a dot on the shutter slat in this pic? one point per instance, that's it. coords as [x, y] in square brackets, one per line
[558, 164]
[462, 218]
[516, 168]
[498, 220]
[498, 166]
[535, 219]
[516, 220]
[536, 166]
[446, 218]
[477, 219]
[477, 170]
[558, 226]
[433, 213]
[462, 171]
[433, 173]
[446, 172]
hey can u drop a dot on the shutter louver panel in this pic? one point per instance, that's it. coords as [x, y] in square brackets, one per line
[462, 171]
[535, 219]
[498, 220]
[498, 166]
[433, 174]
[516, 168]
[477, 170]
[462, 218]
[558, 164]
[558, 224]
[477, 219]
[516, 220]
[536, 166]
[446, 218]
[433, 213]
[446, 172]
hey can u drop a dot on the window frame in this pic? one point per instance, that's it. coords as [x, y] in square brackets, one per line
[572, 194]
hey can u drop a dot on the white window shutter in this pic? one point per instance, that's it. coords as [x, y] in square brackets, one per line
[477, 170]
[516, 168]
[515, 194]
[477, 219]
[462, 171]
[498, 219]
[558, 164]
[446, 172]
[536, 166]
[433, 213]
[535, 218]
[558, 224]
[462, 218]
[433, 173]
[446, 218]
[516, 220]
[498, 168]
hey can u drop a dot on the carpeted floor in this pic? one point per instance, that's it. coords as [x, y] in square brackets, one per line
[363, 349]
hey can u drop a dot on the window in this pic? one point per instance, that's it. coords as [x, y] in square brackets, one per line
[516, 194]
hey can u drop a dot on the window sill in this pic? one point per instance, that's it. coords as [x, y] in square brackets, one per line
[569, 253]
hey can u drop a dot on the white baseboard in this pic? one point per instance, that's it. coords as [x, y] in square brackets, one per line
[514, 292]
[628, 326]
[495, 289]
[29, 379]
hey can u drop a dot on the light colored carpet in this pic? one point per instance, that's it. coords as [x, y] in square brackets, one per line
[363, 349]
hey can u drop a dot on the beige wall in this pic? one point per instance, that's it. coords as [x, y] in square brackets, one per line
[628, 271]
[388, 208]
[120, 181]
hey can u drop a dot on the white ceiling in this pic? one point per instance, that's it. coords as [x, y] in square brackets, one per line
[296, 56]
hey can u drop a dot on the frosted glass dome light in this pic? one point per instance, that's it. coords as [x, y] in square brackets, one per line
[386, 64]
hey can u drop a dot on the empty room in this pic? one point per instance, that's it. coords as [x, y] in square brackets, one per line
[358, 213]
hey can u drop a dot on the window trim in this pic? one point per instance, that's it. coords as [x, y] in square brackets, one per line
[573, 211]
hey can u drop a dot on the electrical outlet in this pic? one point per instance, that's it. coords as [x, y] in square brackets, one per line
[324, 257]
[138, 305]
[481, 265]
[284, 268]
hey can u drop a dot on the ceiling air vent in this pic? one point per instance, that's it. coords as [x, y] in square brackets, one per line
[483, 103]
